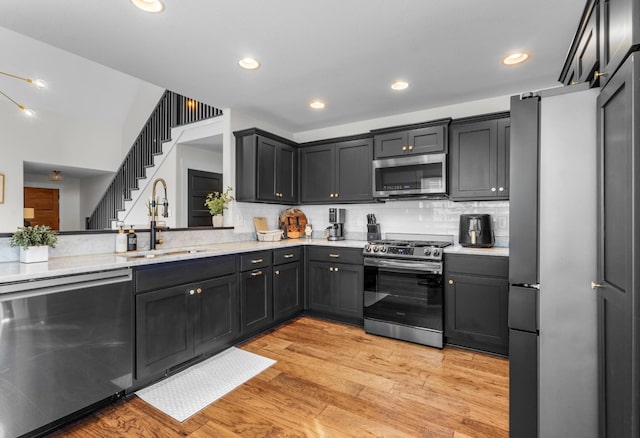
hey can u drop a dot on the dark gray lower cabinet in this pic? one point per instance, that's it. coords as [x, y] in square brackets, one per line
[476, 302]
[256, 300]
[287, 290]
[336, 289]
[175, 324]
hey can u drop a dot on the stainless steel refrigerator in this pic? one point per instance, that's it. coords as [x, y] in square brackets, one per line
[552, 248]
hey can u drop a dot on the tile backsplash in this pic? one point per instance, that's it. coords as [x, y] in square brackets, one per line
[420, 216]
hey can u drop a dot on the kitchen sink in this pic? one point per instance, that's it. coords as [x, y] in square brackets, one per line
[154, 253]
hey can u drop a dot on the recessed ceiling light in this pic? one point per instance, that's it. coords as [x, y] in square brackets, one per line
[515, 58]
[249, 63]
[149, 5]
[400, 85]
[317, 104]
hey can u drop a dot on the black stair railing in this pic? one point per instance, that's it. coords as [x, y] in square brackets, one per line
[172, 110]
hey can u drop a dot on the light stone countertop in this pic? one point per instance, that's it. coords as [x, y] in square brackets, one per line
[62, 266]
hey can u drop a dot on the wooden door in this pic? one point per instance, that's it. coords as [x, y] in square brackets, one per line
[45, 203]
[618, 267]
[200, 184]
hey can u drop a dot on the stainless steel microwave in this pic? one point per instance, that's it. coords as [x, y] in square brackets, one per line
[415, 175]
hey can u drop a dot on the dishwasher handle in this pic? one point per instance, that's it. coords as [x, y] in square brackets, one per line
[34, 288]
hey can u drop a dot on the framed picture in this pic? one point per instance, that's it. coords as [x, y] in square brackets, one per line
[1, 188]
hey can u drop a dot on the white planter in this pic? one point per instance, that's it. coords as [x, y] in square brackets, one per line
[217, 220]
[34, 254]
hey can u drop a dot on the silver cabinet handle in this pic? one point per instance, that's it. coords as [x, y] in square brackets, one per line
[335, 256]
[595, 285]
[256, 273]
[288, 256]
[257, 261]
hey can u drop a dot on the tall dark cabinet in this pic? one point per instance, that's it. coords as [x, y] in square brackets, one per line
[618, 282]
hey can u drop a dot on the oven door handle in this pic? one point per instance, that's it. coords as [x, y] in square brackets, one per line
[405, 265]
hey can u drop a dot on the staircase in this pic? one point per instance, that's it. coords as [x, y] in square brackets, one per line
[172, 110]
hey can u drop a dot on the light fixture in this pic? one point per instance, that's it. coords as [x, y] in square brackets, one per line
[400, 85]
[39, 83]
[153, 6]
[56, 175]
[317, 104]
[249, 63]
[515, 58]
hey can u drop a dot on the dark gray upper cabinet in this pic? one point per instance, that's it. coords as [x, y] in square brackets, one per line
[620, 31]
[336, 172]
[266, 168]
[479, 158]
[424, 138]
[582, 59]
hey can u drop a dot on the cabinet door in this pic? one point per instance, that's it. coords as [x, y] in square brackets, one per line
[504, 148]
[266, 169]
[618, 201]
[216, 314]
[619, 22]
[473, 161]
[320, 286]
[348, 282]
[317, 173]
[164, 330]
[354, 181]
[287, 290]
[391, 144]
[476, 312]
[427, 140]
[286, 173]
[256, 300]
[587, 52]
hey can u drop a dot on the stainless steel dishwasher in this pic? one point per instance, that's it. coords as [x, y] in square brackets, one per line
[65, 344]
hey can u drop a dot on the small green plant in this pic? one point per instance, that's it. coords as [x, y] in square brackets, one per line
[37, 235]
[217, 202]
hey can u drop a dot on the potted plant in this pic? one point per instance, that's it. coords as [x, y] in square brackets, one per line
[34, 242]
[217, 203]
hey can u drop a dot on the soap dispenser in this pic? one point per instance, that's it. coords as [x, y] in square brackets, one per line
[121, 240]
[132, 240]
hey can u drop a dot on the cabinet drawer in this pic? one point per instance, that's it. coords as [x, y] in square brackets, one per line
[493, 266]
[255, 260]
[286, 255]
[336, 255]
[164, 275]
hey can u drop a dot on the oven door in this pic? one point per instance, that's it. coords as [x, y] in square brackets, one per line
[407, 292]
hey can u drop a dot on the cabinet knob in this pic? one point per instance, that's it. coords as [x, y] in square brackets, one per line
[277, 272]
[199, 290]
[331, 195]
[331, 269]
[335, 269]
[410, 148]
[595, 285]
[501, 189]
[450, 281]
[493, 189]
[256, 273]
[191, 292]
[336, 195]
[404, 148]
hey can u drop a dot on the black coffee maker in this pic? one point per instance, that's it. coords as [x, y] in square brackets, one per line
[476, 231]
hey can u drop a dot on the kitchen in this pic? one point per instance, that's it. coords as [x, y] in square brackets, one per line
[394, 218]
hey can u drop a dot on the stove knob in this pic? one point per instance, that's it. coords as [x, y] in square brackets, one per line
[375, 248]
[367, 248]
[383, 249]
[427, 251]
[436, 252]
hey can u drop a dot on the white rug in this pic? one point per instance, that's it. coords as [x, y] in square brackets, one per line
[185, 393]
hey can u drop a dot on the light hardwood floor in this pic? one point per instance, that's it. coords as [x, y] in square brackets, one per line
[333, 380]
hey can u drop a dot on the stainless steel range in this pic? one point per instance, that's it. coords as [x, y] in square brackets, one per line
[403, 290]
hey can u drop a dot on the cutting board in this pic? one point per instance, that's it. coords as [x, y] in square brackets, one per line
[260, 223]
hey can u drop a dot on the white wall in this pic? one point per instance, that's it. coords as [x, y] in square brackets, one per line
[145, 100]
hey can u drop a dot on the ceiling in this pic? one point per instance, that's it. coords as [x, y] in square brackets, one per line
[345, 52]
